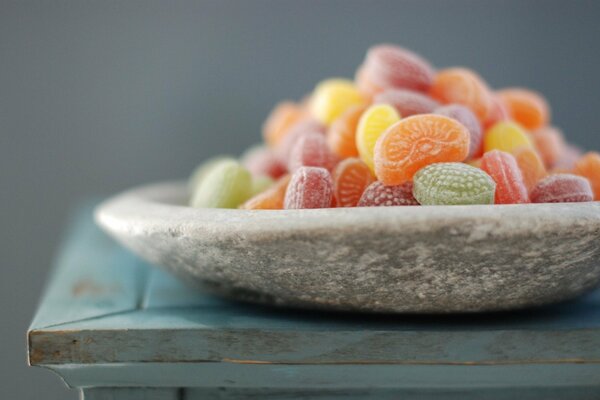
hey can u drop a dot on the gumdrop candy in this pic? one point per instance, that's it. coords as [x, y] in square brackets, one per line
[562, 188]
[531, 165]
[550, 143]
[310, 187]
[503, 168]
[280, 120]
[588, 166]
[226, 185]
[341, 135]
[466, 117]
[311, 150]
[407, 102]
[379, 195]
[374, 121]
[453, 184]
[261, 160]
[331, 98]
[527, 107]
[270, 199]
[463, 86]
[350, 178]
[505, 136]
[417, 141]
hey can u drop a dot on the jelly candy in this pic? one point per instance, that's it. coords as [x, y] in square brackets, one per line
[310, 187]
[466, 117]
[388, 66]
[407, 102]
[463, 86]
[260, 183]
[527, 107]
[562, 188]
[364, 84]
[453, 184]
[550, 143]
[341, 136]
[270, 199]
[299, 129]
[379, 195]
[498, 113]
[588, 166]
[374, 121]
[332, 97]
[311, 150]
[282, 117]
[262, 160]
[503, 168]
[505, 136]
[201, 170]
[226, 185]
[350, 179]
[531, 165]
[417, 141]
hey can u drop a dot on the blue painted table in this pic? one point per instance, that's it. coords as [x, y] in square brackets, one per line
[116, 328]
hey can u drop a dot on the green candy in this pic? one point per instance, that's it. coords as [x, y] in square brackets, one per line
[226, 185]
[453, 184]
[261, 183]
[203, 169]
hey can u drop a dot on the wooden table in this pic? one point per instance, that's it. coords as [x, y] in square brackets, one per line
[116, 328]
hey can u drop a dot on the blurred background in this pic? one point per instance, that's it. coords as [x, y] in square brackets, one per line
[97, 96]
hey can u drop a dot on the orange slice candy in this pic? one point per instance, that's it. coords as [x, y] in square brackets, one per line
[527, 107]
[350, 179]
[341, 136]
[417, 141]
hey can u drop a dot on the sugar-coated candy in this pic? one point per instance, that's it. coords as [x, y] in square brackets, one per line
[568, 158]
[466, 117]
[407, 102]
[341, 135]
[463, 86]
[332, 97]
[374, 121]
[350, 178]
[227, 185]
[281, 119]
[531, 165]
[379, 195]
[261, 160]
[453, 184]
[271, 198]
[527, 107]
[311, 150]
[562, 188]
[310, 187]
[417, 141]
[498, 112]
[388, 66]
[201, 170]
[260, 183]
[505, 136]
[503, 168]
[588, 166]
[299, 129]
[550, 143]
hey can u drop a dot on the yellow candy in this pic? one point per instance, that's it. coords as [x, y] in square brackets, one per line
[374, 121]
[505, 136]
[332, 97]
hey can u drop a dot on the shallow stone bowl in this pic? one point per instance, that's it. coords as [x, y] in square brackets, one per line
[435, 259]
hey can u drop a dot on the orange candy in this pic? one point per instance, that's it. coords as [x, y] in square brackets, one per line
[588, 166]
[341, 135]
[463, 86]
[350, 179]
[550, 143]
[527, 107]
[417, 141]
[279, 121]
[531, 165]
[270, 199]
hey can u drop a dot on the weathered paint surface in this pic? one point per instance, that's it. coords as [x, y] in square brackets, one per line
[109, 320]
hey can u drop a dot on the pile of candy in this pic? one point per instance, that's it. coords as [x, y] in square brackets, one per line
[403, 133]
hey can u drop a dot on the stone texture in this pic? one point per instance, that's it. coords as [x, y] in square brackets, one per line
[437, 259]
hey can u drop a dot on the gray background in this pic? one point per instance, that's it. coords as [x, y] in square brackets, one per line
[96, 96]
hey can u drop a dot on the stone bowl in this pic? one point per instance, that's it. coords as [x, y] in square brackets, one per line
[435, 259]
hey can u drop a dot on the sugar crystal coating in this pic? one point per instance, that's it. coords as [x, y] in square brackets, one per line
[262, 161]
[504, 170]
[350, 179]
[525, 106]
[227, 185]
[379, 195]
[311, 150]
[562, 188]
[466, 117]
[407, 102]
[310, 187]
[453, 184]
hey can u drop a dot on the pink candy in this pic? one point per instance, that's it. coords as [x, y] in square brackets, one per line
[562, 188]
[310, 187]
[379, 195]
[301, 128]
[311, 150]
[407, 102]
[503, 168]
[263, 161]
[466, 117]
